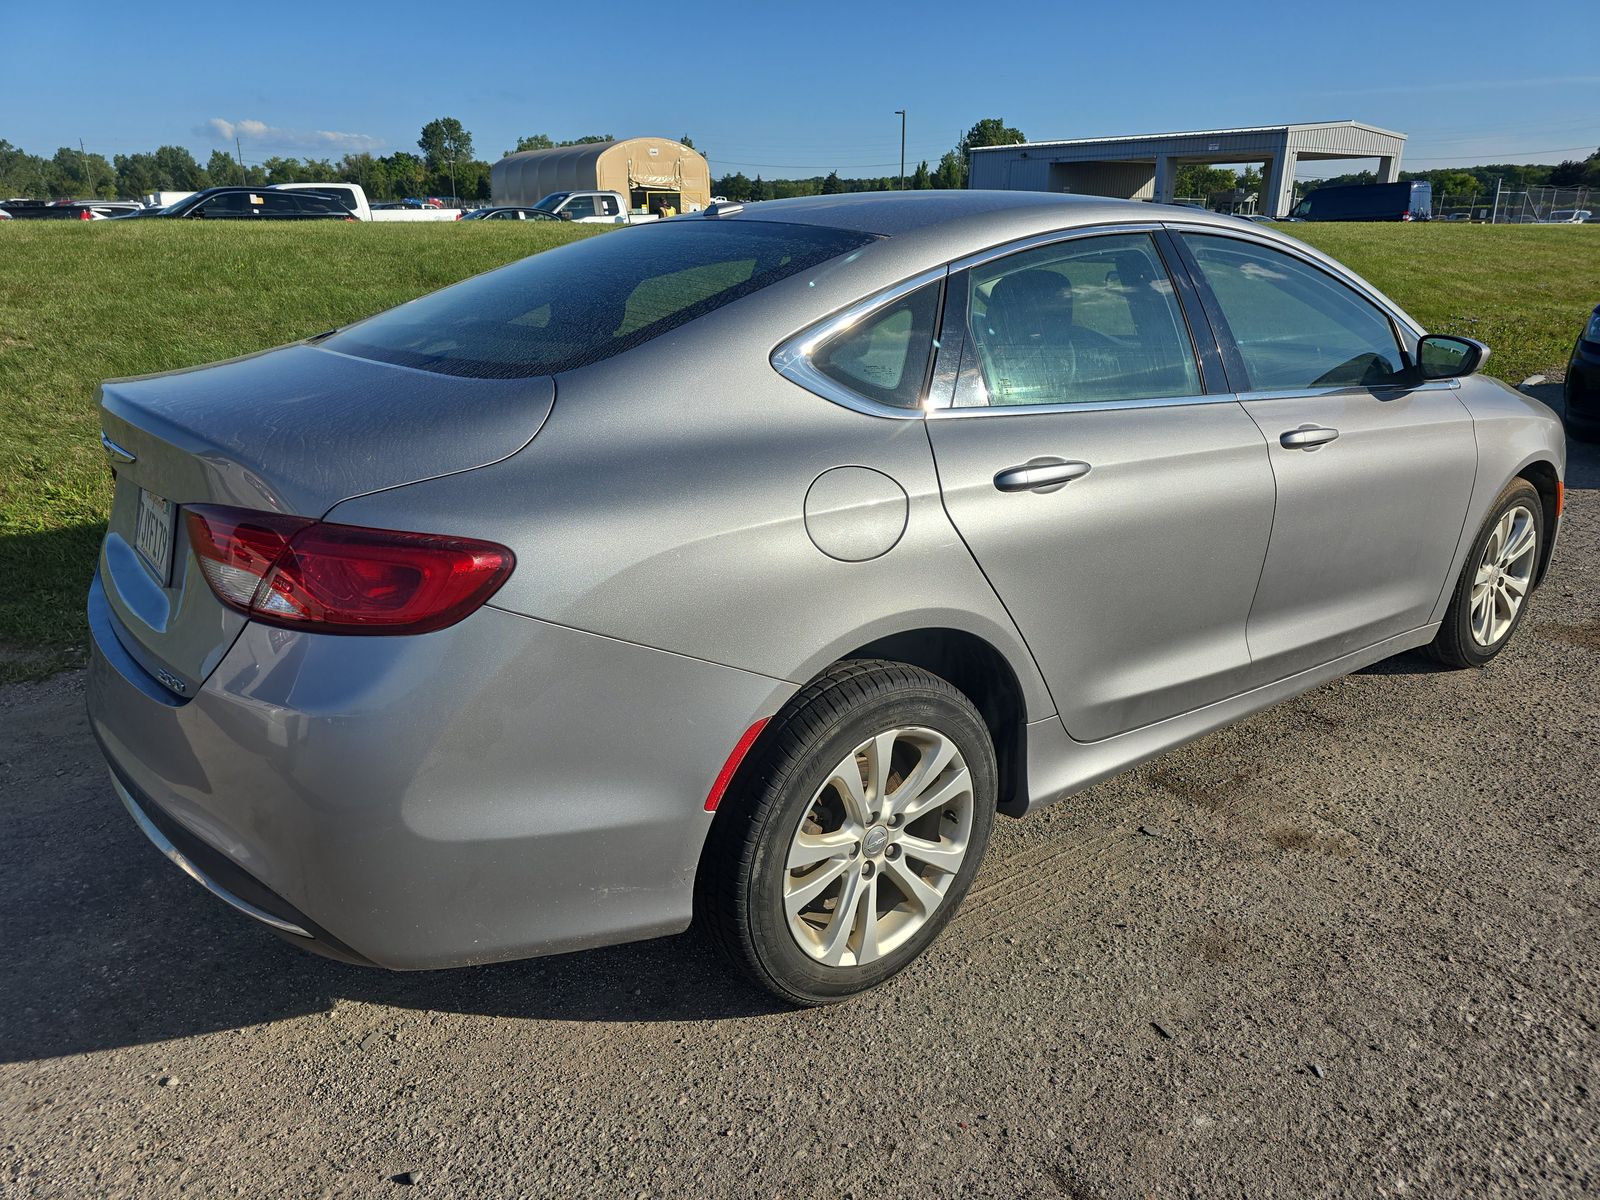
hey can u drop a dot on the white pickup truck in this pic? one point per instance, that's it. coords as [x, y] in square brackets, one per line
[594, 208]
[355, 199]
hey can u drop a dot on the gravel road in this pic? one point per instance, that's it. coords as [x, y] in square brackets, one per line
[1349, 947]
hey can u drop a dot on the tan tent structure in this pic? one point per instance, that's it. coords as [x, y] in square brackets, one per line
[652, 172]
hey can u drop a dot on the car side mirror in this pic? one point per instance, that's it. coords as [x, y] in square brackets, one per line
[565, 216]
[1440, 356]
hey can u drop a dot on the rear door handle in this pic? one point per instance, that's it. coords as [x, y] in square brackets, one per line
[1308, 437]
[1041, 475]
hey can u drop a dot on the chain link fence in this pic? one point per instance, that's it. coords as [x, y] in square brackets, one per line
[1532, 206]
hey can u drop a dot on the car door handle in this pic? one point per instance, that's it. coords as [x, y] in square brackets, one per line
[1308, 437]
[1042, 475]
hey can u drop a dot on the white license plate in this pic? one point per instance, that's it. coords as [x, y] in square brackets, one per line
[153, 537]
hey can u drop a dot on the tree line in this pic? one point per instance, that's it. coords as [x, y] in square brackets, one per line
[445, 164]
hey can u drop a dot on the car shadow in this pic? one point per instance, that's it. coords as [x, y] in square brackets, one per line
[106, 945]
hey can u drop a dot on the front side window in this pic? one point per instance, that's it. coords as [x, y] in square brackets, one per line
[579, 207]
[1295, 326]
[1080, 322]
[583, 302]
[227, 205]
[885, 356]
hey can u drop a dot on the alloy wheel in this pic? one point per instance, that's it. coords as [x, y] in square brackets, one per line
[1504, 574]
[878, 847]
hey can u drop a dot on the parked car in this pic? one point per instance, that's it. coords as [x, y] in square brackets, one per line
[507, 213]
[861, 519]
[1410, 201]
[354, 197]
[1581, 391]
[74, 210]
[236, 203]
[1569, 216]
[593, 208]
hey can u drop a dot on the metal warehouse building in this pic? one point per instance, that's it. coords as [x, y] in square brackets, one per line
[650, 171]
[1143, 167]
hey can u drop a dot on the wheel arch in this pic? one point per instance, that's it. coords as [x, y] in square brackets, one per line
[1547, 482]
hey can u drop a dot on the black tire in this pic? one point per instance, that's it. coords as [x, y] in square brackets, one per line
[745, 866]
[1454, 645]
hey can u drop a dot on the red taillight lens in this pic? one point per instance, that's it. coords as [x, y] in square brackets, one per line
[304, 574]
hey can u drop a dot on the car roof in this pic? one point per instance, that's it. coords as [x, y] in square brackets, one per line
[985, 216]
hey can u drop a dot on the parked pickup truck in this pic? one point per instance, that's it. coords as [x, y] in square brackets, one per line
[355, 199]
[594, 208]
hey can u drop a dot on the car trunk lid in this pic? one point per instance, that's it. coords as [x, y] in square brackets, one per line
[295, 431]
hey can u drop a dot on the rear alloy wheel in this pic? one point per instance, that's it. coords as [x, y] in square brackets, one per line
[853, 834]
[1492, 595]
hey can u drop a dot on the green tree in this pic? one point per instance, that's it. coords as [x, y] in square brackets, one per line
[991, 131]
[588, 139]
[445, 146]
[734, 187]
[284, 170]
[832, 185]
[408, 175]
[952, 170]
[21, 173]
[533, 141]
[82, 176]
[1199, 180]
[139, 175]
[179, 169]
[922, 180]
[222, 168]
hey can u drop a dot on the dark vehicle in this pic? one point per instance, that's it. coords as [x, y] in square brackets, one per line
[256, 204]
[72, 210]
[508, 214]
[1368, 202]
[1582, 391]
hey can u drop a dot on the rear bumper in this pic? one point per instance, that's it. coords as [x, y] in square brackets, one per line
[495, 790]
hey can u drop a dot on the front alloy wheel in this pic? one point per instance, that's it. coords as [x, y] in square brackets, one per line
[851, 833]
[1491, 597]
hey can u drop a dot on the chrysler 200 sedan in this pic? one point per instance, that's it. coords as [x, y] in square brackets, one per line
[743, 567]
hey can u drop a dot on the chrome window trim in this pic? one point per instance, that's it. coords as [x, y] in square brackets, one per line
[1382, 390]
[792, 358]
[1328, 267]
[1002, 410]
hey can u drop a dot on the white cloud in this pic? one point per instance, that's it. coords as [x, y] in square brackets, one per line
[270, 137]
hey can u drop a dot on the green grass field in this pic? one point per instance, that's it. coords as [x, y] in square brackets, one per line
[84, 302]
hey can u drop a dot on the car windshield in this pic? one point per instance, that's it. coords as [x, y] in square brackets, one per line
[592, 299]
[552, 202]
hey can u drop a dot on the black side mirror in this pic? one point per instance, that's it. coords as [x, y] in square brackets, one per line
[565, 216]
[1440, 356]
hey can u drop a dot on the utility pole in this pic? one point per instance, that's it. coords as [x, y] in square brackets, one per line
[901, 113]
[83, 157]
[239, 150]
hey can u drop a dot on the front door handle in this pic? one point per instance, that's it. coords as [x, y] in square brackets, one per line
[1308, 437]
[1043, 475]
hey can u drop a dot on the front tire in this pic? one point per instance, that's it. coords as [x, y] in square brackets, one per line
[849, 841]
[1496, 584]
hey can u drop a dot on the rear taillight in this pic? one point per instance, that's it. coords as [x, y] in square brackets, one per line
[304, 574]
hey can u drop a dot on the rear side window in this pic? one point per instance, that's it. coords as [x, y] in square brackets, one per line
[885, 356]
[592, 299]
[1295, 326]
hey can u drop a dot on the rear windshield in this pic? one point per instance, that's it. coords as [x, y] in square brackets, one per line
[587, 301]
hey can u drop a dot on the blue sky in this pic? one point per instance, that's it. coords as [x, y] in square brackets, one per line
[796, 89]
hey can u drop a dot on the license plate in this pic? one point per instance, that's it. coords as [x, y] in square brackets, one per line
[153, 537]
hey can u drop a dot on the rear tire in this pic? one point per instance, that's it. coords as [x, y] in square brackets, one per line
[1496, 585]
[848, 841]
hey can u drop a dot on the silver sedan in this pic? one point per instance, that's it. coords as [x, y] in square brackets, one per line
[743, 567]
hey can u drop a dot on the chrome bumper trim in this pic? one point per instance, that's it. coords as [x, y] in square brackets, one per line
[161, 843]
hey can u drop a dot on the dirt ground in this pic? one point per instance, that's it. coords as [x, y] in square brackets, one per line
[1350, 947]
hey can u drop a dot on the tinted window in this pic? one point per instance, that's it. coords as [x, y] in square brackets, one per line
[592, 299]
[1083, 321]
[312, 202]
[885, 356]
[579, 207]
[608, 206]
[1295, 326]
[229, 204]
